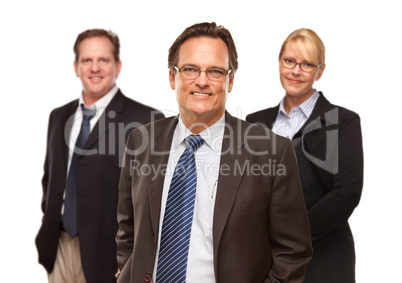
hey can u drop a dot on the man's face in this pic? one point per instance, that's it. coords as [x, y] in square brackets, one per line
[201, 100]
[96, 67]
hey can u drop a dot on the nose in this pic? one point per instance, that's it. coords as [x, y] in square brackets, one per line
[202, 79]
[94, 67]
[296, 70]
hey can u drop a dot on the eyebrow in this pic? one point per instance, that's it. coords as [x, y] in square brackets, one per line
[97, 58]
[294, 59]
[195, 66]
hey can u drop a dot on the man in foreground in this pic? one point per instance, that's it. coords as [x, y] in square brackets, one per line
[206, 197]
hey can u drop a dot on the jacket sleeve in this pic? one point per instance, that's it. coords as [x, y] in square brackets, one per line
[45, 177]
[346, 185]
[289, 228]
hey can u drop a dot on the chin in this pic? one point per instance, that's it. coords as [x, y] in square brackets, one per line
[293, 91]
[293, 94]
[198, 109]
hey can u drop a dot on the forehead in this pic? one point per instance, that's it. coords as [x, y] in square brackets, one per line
[95, 46]
[204, 52]
[300, 50]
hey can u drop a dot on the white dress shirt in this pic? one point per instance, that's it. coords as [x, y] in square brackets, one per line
[288, 125]
[200, 265]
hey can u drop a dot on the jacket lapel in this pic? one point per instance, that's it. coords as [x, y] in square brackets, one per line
[271, 117]
[67, 122]
[320, 107]
[228, 184]
[107, 122]
[159, 159]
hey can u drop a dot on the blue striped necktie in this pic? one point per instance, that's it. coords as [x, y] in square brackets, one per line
[70, 204]
[178, 218]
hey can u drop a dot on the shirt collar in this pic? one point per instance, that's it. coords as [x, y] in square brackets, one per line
[213, 135]
[306, 107]
[102, 103]
[282, 107]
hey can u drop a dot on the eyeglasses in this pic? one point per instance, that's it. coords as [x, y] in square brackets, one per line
[304, 66]
[213, 74]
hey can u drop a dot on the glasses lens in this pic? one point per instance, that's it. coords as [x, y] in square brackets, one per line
[216, 74]
[288, 63]
[307, 67]
[190, 72]
[304, 66]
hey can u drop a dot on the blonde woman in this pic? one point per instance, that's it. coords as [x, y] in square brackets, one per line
[328, 144]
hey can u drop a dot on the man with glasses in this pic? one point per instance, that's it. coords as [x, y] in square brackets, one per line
[206, 197]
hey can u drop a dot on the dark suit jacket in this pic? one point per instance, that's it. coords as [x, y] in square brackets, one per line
[260, 229]
[97, 184]
[332, 187]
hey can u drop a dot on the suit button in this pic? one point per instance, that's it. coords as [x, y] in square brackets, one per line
[60, 196]
[147, 277]
[56, 226]
[154, 239]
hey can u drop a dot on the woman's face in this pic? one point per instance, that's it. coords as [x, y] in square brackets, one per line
[297, 83]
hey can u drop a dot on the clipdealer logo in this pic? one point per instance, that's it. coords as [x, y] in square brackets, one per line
[245, 168]
[331, 161]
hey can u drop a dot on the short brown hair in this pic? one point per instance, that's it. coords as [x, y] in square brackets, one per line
[313, 43]
[114, 39]
[208, 30]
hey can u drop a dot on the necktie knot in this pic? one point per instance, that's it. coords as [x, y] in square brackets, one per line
[193, 142]
[88, 114]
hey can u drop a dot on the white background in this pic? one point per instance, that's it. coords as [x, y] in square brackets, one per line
[363, 73]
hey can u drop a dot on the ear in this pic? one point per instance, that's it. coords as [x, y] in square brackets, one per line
[77, 73]
[172, 78]
[320, 72]
[231, 80]
[118, 68]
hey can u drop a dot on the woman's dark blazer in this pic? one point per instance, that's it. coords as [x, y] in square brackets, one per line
[330, 158]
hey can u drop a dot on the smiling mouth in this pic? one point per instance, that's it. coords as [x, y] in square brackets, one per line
[95, 78]
[295, 81]
[201, 94]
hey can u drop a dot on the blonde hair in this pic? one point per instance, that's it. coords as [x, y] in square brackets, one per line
[310, 40]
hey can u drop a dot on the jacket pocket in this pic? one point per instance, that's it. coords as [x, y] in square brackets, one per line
[255, 204]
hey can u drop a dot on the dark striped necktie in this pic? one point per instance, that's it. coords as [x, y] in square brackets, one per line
[178, 218]
[70, 204]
